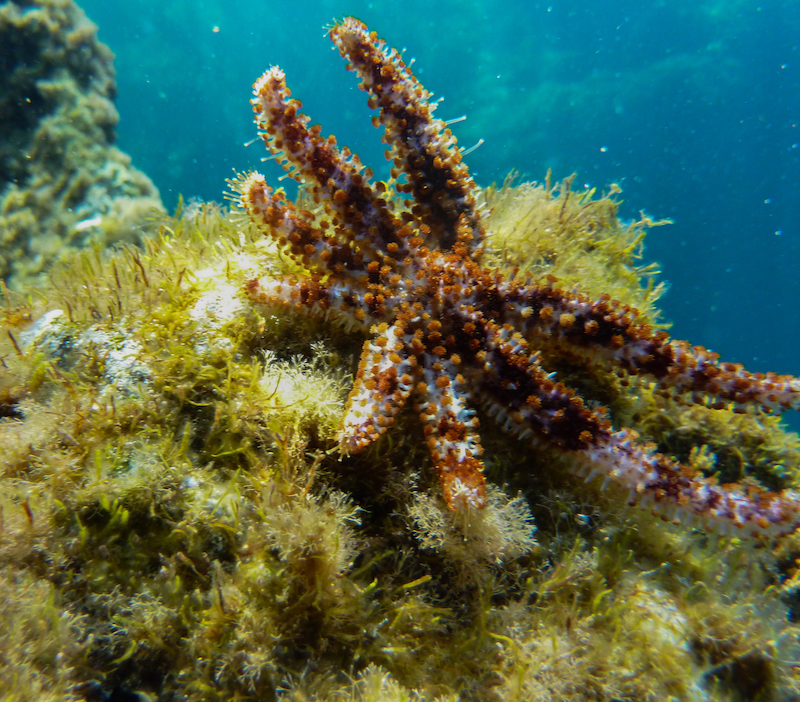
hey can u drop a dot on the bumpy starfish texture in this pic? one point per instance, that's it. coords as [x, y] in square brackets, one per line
[449, 334]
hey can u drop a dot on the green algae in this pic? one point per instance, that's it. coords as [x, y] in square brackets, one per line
[177, 521]
[550, 229]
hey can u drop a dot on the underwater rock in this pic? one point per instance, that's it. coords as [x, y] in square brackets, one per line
[177, 524]
[63, 183]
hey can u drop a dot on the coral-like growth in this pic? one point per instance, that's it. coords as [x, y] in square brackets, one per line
[503, 530]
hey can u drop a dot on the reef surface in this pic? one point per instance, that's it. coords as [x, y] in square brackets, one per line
[177, 521]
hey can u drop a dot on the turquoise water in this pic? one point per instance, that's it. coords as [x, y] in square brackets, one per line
[692, 107]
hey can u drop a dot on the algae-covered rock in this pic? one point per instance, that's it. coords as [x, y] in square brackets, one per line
[178, 523]
[63, 183]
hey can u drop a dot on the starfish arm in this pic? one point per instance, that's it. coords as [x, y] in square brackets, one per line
[382, 386]
[525, 399]
[553, 412]
[293, 229]
[422, 146]
[676, 491]
[450, 430]
[307, 294]
[333, 177]
[606, 332]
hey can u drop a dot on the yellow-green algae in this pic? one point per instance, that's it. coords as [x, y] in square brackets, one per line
[177, 523]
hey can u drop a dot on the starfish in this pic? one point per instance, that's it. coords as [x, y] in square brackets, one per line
[449, 334]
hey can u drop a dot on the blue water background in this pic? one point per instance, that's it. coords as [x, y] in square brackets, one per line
[692, 107]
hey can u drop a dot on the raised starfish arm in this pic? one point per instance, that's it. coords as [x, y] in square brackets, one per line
[333, 177]
[423, 147]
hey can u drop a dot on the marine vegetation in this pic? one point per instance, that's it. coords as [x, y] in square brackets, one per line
[178, 521]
